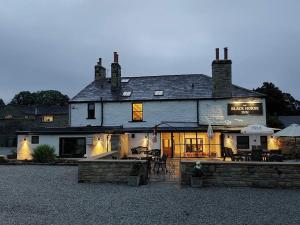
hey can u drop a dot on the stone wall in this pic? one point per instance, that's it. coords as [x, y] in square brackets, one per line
[107, 171]
[245, 174]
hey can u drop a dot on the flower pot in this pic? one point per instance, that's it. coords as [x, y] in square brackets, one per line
[133, 181]
[196, 182]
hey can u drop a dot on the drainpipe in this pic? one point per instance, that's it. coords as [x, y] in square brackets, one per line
[198, 112]
[101, 112]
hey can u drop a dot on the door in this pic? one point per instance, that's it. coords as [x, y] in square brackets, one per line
[74, 147]
[167, 147]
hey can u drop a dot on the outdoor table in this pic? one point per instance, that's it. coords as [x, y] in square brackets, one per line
[246, 153]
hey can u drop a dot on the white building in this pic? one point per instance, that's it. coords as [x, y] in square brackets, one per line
[170, 112]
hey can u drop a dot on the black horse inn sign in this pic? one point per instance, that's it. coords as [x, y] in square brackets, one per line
[245, 108]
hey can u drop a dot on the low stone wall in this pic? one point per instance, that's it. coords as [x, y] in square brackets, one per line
[107, 171]
[245, 174]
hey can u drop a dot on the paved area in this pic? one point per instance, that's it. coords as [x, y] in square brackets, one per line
[51, 195]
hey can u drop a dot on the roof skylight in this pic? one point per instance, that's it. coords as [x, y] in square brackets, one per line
[159, 93]
[125, 80]
[126, 93]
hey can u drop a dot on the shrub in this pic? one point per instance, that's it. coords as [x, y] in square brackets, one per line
[43, 154]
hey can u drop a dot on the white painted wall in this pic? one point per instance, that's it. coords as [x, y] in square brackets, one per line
[116, 114]
[120, 113]
[79, 115]
[216, 112]
[25, 148]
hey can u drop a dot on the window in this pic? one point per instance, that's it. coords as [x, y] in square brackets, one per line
[193, 144]
[126, 93]
[72, 147]
[137, 111]
[35, 140]
[264, 142]
[159, 93]
[242, 142]
[91, 111]
[47, 118]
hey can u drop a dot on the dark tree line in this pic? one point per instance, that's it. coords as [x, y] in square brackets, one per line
[278, 103]
[49, 97]
[2, 104]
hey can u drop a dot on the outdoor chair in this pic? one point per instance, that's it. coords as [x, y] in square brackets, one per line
[227, 152]
[161, 163]
[256, 155]
[275, 156]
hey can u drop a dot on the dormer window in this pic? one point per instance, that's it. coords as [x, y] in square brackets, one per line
[159, 93]
[91, 110]
[126, 94]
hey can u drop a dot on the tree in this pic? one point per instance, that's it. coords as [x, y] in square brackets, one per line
[275, 99]
[2, 104]
[277, 103]
[49, 97]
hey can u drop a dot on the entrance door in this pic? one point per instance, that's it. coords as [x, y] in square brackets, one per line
[72, 147]
[167, 147]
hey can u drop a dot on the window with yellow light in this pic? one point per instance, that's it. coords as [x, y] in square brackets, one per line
[47, 118]
[137, 112]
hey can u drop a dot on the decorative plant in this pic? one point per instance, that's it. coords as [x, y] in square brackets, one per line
[43, 154]
[197, 170]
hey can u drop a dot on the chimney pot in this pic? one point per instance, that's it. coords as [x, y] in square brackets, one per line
[217, 54]
[100, 62]
[116, 57]
[225, 53]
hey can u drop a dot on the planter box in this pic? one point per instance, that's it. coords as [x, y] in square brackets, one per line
[196, 182]
[133, 181]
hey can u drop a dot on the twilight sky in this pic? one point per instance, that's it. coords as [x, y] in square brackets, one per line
[46, 44]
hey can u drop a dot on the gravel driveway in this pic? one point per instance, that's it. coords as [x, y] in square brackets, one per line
[51, 195]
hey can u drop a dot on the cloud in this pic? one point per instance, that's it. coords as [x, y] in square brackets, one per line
[55, 44]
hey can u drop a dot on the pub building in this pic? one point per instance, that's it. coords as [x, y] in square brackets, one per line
[186, 115]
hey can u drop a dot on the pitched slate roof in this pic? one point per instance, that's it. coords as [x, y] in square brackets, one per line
[185, 86]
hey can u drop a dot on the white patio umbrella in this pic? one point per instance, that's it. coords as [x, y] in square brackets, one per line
[210, 135]
[257, 129]
[291, 131]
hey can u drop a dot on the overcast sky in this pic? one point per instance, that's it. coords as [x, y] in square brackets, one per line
[47, 44]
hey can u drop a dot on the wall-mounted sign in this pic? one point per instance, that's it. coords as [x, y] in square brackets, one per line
[245, 108]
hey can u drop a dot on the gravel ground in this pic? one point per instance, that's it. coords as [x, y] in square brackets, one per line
[51, 195]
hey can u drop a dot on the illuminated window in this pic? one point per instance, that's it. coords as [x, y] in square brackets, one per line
[137, 111]
[91, 111]
[126, 93]
[159, 93]
[47, 118]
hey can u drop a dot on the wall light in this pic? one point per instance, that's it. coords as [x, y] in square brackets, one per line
[25, 139]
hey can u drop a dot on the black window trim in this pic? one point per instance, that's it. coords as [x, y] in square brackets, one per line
[88, 111]
[35, 141]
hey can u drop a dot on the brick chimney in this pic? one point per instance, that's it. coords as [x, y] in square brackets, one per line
[221, 76]
[100, 71]
[115, 73]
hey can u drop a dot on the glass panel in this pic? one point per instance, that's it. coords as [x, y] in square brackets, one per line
[137, 116]
[137, 107]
